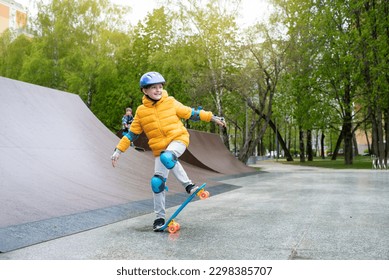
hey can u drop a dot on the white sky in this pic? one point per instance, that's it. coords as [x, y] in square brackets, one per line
[251, 10]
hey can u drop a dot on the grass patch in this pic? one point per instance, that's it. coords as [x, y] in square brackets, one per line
[359, 162]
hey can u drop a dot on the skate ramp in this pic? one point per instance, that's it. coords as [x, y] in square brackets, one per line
[206, 150]
[55, 157]
[56, 176]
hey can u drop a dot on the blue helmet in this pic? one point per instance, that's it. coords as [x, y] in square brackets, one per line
[151, 78]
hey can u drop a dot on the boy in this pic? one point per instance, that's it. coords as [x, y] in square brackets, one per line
[160, 118]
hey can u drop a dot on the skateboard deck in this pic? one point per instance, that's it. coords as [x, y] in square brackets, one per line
[171, 225]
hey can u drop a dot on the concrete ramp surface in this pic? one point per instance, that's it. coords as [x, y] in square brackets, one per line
[207, 150]
[55, 157]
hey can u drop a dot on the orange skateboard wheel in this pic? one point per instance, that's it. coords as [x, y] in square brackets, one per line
[171, 230]
[174, 227]
[204, 194]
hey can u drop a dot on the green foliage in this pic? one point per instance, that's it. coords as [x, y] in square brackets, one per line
[13, 54]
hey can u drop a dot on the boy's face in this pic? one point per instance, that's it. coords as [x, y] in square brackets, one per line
[154, 91]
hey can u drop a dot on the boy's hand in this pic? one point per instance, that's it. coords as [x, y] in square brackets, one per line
[218, 120]
[115, 156]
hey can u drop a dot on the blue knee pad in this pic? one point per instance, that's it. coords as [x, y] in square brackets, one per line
[168, 159]
[158, 183]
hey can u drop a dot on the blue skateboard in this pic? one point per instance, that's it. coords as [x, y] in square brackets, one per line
[171, 225]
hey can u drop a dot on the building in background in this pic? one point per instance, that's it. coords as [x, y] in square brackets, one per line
[13, 16]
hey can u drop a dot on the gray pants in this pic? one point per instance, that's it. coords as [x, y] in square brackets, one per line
[178, 149]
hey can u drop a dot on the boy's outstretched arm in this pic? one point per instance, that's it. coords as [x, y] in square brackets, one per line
[123, 145]
[200, 114]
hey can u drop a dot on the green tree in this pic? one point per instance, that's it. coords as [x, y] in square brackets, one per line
[13, 54]
[301, 89]
[75, 48]
[370, 21]
[211, 27]
[264, 64]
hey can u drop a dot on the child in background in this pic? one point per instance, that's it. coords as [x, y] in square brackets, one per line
[127, 120]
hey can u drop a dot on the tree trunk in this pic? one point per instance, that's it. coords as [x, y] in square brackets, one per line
[386, 116]
[347, 125]
[368, 142]
[225, 138]
[289, 142]
[309, 145]
[337, 146]
[322, 145]
[374, 133]
[235, 143]
[91, 91]
[355, 145]
[281, 141]
[302, 149]
[250, 143]
[259, 145]
[380, 136]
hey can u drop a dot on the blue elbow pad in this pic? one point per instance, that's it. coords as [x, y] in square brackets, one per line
[131, 136]
[195, 116]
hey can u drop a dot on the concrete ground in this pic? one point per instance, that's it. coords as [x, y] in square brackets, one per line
[281, 213]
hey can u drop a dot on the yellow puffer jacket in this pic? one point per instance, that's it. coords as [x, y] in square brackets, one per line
[161, 122]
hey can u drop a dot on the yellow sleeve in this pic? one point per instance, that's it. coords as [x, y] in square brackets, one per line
[205, 115]
[182, 111]
[124, 144]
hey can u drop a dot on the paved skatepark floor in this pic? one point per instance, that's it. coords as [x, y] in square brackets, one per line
[62, 200]
[280, 213]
